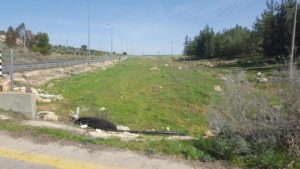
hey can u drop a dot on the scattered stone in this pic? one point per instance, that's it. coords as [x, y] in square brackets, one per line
[35, 92]
[168, 128]
[263, 80]
[4, 117]
[41, 100]
[223, 78]
[102, 109]
[217, 89]
[47, 116]
[208, 134]
[258, 74]
[154, 68]
[179, 68]
[5, 83]
[50, 85]
[161, 87]
[166, 65]
[51, 97]
[123, 128]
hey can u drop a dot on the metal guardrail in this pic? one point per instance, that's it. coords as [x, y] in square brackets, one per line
[54, 64]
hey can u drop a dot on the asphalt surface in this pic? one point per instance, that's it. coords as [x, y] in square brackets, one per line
[6, 163]
[26, 153]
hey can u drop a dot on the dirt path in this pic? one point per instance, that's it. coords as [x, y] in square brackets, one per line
[63, 155]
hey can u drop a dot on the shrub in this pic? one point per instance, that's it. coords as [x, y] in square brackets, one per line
[251, 126]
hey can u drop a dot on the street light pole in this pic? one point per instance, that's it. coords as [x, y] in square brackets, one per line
[172, 48]
[121, 42]
[111, 37]
[89, 35]
[293, 39]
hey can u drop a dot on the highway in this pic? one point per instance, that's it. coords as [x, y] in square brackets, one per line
[51, 64]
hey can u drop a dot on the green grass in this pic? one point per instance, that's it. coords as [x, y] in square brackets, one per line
[141, 98]
[184, 149]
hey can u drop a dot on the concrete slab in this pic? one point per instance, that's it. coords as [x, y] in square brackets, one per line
[24, 103]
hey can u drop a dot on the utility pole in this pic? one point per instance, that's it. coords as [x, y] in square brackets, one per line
[172, 48]
[121, 42]
[111, 37]
[11, 70]
[293, 39]
[89, 36]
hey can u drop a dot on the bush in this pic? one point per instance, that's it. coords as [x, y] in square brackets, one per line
[252, 127]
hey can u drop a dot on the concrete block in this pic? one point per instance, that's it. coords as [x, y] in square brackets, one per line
[24, 103]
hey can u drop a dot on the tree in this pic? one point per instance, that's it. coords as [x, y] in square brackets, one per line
[41, 43]
[83, 47]
[21, 33]
[11, 37]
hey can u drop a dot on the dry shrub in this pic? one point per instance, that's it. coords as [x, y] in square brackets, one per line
[249, 113]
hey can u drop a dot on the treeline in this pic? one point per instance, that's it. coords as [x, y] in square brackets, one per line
[271, 36]
[82, 51]
[21, 36]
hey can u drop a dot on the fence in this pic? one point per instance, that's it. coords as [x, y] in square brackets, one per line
[54, 64]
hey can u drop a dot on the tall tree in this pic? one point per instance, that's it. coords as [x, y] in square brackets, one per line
[21, 33]
[41, 43]
[11, 37]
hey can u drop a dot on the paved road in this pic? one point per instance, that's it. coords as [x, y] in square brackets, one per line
[7, 163]
[22, 153]
[52, 64]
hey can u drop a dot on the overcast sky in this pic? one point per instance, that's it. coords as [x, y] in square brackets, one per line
[147, 26]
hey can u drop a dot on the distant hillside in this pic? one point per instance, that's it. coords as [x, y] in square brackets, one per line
[29, 47]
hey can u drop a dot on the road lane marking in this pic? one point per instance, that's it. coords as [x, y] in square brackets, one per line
[50, 161]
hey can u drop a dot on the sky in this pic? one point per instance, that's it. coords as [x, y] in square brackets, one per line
[144, 26]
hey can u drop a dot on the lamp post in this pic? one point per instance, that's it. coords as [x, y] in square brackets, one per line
[89, 35]
[111, 37]
[172, 43]
[293, 39]
[121, 42]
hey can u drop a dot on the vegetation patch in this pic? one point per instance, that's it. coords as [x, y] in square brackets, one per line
[143, 94]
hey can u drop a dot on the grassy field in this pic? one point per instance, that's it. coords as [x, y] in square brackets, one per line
[142, 94]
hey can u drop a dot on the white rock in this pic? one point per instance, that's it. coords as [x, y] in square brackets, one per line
[16, 88]
[35, 92]
[263, 80]
[41, 100]
[123, 128]
[179, 68]
[47, 116]
[217, 89]
[51, 97]
[102, 109]
[224, 78]
[23, 88]
[258, 74]
[99, 131]
[168, 128]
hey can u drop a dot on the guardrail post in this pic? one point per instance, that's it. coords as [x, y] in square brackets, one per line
[1, 74]
[11, 70]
